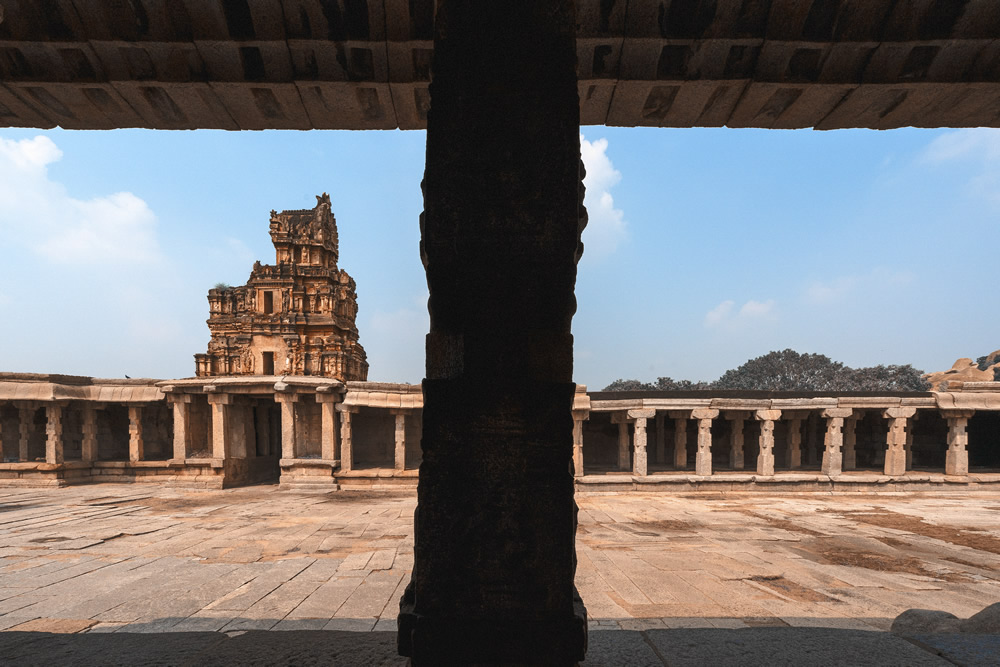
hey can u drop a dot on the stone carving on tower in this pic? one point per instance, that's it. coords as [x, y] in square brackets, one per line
[295, 317]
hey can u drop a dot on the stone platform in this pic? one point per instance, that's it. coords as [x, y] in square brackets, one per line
[120, 574]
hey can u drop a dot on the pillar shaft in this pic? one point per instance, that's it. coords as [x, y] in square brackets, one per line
[624, 462]
[400, 450]
[895, 452]
[833, 443]
[661, 444]
[794, 444]
[328, 427]
[639, 463]
[182, 426]
[736, 461]
[136, 445]
[53, 434]
[957, 457]
[288, 431]
[220, 425]
[703, 460]
[346, 442]
[578, 446]
[493, 581]
[27, 417]
[680, 444]
[88, 448]
[850, 443]
[765, 456]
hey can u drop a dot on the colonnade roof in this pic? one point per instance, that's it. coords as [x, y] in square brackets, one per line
[317, 64]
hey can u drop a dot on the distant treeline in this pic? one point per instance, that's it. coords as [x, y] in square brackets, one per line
[788, 370]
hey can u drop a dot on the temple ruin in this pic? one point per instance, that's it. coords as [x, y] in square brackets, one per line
[293, 317]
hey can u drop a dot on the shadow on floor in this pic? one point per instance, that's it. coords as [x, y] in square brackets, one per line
[773, 647]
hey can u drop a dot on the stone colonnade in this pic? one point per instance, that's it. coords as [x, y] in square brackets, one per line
[839, 441]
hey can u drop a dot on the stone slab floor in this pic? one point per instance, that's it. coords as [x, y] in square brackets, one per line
[142, 574]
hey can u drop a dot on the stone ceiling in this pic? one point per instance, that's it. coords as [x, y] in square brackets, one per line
[352, 64]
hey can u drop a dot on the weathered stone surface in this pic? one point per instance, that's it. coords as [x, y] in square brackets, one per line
[924, 621]
[296, 317]
[985, 622]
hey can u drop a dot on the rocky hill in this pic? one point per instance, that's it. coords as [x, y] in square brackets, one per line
[984, 369]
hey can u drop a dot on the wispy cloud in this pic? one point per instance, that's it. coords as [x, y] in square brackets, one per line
[39, 213]
[606, 227]
[725, 314]
[844, 287]
[979, 146]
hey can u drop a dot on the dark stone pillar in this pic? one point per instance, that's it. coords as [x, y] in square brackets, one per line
[494, 556]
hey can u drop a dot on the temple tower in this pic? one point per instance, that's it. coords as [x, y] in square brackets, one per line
[295, 317]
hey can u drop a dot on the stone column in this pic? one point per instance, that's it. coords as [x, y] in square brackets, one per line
[493, 581]
[25, 426]
[623, 445]
[88, 448]
[895, 454]
[765, 458]
[328, 425]
[53, 434]
[220, 424]
[287, 402]
[703, 460]
[680, 438]
[833, 442]
[136, 446]
[908, 445]
[579, 416]
[794, 444]
[850, 442]
[182, 424]
[956, 460]
[736, 461]
[399, 457]
[661, 440]
[639, 459]
[346, 440]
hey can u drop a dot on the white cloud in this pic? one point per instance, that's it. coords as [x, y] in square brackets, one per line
[980, 146]
[718, 314]
[37, 212]
[725, 314]
[606, 227]
[842, 287]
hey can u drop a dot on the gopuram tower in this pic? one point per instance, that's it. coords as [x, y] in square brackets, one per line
[296, 317]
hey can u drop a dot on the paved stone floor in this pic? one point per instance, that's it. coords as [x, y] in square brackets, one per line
[211, 569]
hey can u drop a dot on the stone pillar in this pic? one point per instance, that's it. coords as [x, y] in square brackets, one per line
[182, 424]
[623, 445]
[53, 434]
[680, 439]
[88, 448]
[908, 445]
[736, 461]
[346, 440]
[136, 446]
[956, 460]
[794, 444]
[833, 442]
[400, 438]
[579, 416]
[27, 418]
[895, 454]
[661, 440]
[220, 424]
[639, 459]
[703, 457]
[765, 458]
[287, 402]
[328, 425]
[493, 581]
[850, 442]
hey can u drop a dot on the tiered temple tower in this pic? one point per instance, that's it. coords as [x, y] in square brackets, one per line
[296, 317]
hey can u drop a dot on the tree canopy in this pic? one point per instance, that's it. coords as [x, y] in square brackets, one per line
[789, 370]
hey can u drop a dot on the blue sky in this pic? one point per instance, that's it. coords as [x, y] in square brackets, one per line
[706, 247]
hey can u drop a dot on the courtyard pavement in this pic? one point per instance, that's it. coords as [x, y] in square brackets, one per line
[144, 574]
